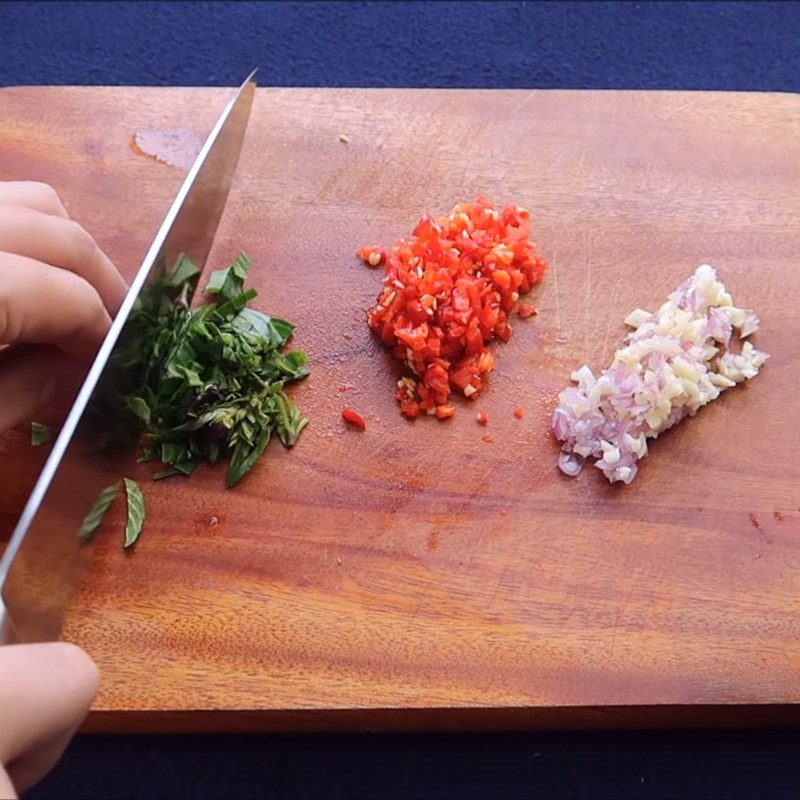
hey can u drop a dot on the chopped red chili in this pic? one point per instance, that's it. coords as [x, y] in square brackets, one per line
[483, 418]
[448, 291]
[526, 310]
[488, 438]
[519, 412]
[354, 418]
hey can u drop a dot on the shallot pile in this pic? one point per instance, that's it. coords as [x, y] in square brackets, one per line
[673, 362]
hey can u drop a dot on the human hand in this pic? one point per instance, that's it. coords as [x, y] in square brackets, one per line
[57, 294]
[45, 692]
[58, 291]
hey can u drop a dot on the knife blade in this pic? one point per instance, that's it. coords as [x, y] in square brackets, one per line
[44, 561]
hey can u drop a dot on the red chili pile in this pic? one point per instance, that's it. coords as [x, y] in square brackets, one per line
[449, 290]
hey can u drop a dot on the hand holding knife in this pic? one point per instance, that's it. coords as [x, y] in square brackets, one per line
[61, 293]
[44, 560]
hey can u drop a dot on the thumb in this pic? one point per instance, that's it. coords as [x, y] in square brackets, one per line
[45, 692]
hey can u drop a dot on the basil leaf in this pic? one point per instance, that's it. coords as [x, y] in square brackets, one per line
[290, 421]
[136, 511]
[140, 408]
[244, 457]
[184, 272]
[255, 325]
[293, 364]
[40, 434]
[180, 468]
[202, 383]
[227, 310]
[283, 329]
[95, 516]
[173, 453]
[228, 282]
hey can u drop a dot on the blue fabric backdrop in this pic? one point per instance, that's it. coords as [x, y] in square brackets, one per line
[590, 45]
[578, 45]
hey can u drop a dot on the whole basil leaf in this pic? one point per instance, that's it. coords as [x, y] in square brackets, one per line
[95, 516]
[136, 511]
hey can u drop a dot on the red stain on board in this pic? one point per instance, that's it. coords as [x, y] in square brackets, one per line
[756, 523]
[433, 541]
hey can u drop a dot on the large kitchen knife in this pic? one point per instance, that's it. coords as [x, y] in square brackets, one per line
[43, 564]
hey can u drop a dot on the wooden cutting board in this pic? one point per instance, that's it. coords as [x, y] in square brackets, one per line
[414, 575]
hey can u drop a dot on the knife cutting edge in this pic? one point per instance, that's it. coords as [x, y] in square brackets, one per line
[44, 560]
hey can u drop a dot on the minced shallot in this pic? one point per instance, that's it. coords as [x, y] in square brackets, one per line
[672, 363]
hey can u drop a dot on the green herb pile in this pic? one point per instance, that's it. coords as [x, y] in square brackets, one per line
[195, 384]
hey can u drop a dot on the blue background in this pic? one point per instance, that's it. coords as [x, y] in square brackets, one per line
[733, 46]
[649, 45]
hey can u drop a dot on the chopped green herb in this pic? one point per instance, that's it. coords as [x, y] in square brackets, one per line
[228, 282]
[199, 384]
[136, 511]
[40, 434]
[93, 519]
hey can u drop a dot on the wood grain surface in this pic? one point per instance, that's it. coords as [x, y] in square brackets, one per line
[414, 575]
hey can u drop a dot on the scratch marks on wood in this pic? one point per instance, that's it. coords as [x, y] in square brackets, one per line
[589, 261]
[554, 265]
[525, 100]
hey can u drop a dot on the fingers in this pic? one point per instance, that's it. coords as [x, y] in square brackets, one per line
[45, 692]
[6, 789]
[43, 304]
[33, 376]
[62, 243]
[31, 194]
